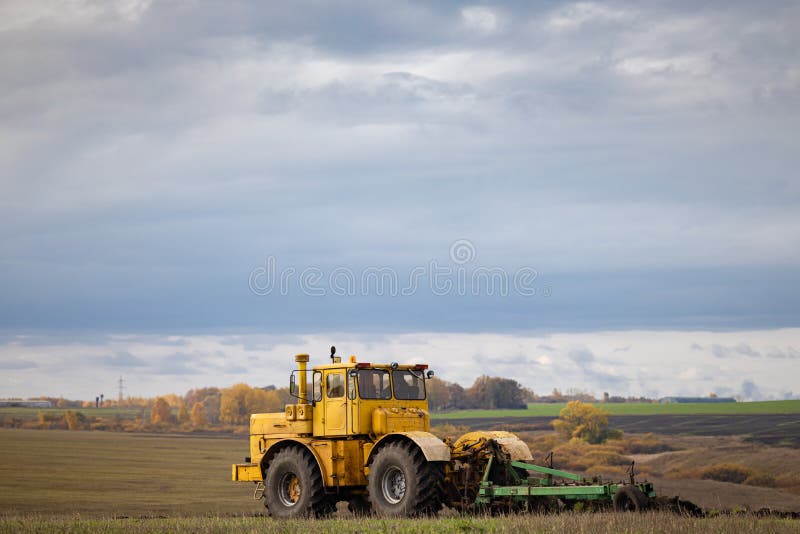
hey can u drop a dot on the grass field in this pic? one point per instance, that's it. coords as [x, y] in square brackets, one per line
[728, 408]
[54, 480]
[30, 413]
[588, 523]
[110, 473]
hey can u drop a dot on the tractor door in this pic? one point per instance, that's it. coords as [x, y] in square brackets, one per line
[335, 403]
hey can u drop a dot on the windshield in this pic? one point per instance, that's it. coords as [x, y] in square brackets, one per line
[374, 384]
[408, 385]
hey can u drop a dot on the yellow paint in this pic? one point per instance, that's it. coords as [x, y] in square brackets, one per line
[246, 472]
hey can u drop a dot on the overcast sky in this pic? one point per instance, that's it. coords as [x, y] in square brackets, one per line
[208, 172]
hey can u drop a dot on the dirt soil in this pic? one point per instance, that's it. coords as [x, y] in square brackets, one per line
[713, 495]
[769, 429]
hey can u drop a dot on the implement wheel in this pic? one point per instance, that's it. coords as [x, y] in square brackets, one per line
[629, 498]
[294, 486]
[403, 483]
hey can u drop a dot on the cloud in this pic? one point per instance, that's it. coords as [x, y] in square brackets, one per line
[374, 135]
[782, 354]
[663, 362]
[17, 364]
[481, 19]
[122, 359]
[581, 356]
[750, 391]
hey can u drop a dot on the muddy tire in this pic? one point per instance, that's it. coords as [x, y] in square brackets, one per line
[629, 498]
[294, 486]
[402, 483]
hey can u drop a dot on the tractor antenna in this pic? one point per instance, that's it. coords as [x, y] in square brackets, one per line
[333, 351]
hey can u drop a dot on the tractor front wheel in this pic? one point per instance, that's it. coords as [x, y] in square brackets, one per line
[403, 483]
[294, 486]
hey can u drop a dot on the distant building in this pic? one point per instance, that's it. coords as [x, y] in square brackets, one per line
[670, 400]
[22, 403]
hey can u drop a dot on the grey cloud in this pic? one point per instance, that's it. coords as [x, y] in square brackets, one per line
[606, 380]
[581, 356]
[120, 359]
[742, 349]
[365, 134]
[548, 348]
[750, 390]
[626, 348]
[516, 359]
[787, 353]
[177, 364]
[747, 350]
[17, 364]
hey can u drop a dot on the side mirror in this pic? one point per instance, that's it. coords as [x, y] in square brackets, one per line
[429, 374]
[353, 373]
[292, 386]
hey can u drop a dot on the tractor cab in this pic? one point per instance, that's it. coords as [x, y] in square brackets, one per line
[361, 398]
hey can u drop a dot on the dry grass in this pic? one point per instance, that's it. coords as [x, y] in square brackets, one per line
[112, 473]
[578, 523]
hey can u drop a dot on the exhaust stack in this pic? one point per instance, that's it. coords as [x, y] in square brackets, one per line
[302, 387]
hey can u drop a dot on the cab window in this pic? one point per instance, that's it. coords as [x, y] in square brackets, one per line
[334, 385]
[317, 386]
[374, 384]
[408, 385]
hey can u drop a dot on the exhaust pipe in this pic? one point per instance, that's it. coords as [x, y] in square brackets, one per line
[302, 387]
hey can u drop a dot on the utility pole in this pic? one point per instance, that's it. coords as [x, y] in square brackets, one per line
[121, 387]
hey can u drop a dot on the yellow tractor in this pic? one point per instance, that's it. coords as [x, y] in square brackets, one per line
[362, 435]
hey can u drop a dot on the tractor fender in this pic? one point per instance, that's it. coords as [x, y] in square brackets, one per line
[278, 446]
[434, 449]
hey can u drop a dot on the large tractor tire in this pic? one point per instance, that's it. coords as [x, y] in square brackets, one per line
[402, 483]
[294, 486]
[629, 498]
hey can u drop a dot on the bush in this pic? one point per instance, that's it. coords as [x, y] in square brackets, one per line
[760, 479]
[646, 444]
[727, 473]
[582, 421]
[75, 421]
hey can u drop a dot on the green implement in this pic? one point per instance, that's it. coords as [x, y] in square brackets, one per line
[508, 485]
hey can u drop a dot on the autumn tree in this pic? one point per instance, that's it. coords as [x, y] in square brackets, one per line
[491, 392]
[161, 412]
[75, 421]
[198, 417]
[582, 421]
[183, 413]
[233, 404]
[210, 399]
[443, 395]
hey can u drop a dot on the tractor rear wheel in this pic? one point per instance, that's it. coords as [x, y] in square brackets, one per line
[294, 486]
[629, 498]
[403, 483]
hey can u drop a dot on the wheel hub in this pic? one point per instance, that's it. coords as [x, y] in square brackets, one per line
[393, 484]
[289, 489]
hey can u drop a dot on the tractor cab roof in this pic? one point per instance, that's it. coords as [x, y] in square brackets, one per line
[368, 365]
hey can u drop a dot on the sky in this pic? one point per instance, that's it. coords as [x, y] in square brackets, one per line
[192, 192]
